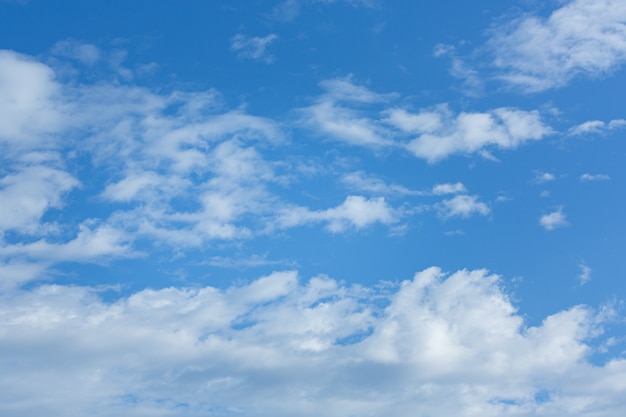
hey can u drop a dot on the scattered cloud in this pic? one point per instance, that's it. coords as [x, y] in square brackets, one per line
[449, 188]
[467, 133]
[581, 38]
[544, 177]
[553, 220]
[594, 177]
[462, 206]
[596, 127]
[440, 133]
[585, 273]
[441, 345]
[254, 48]
[362, 182]
[356, 211]
[86, 53]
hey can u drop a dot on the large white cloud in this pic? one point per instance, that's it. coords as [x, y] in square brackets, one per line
[583, 37]
[30, 109]
[435, 345]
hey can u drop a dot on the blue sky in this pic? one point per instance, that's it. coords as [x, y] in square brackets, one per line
[312, 207]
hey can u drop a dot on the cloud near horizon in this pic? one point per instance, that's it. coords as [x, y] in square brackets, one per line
[436, 344]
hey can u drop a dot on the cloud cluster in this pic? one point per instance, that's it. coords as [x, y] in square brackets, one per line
[433, 345]
[431, 134]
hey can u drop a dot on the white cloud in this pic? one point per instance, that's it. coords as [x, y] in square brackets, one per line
[86, 53]
[90, 244]
[443, 345]
[594, 177]
[583, 37]
[28, 193]
[253, 47]
[440, 133]
[585, 273]
[596, 127]
[356, 211]
[467, 133]
[553, 220]
[449, 188]
[543, 177]
[360, 181]
[30, 109]
[462, 206]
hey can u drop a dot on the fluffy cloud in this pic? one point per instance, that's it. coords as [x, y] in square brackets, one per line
[553, 220]
[467, 133]
[462, 206]
[30, 109]
[583, 37]
[355, 211]
[441, 345]
[28, 193]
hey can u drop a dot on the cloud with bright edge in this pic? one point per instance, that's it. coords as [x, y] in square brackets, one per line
[441, 345]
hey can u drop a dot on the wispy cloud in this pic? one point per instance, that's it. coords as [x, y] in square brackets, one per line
[254, 47]
[596, 127]
[585, 273]
[594, 177]
[582, 37]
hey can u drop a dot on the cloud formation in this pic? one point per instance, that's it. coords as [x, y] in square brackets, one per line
[553, 220]
[581, 38]
[439, 344]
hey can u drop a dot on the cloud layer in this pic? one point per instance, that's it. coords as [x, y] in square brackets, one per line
[434, 345]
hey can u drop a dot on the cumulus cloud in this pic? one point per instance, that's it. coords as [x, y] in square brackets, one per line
[583, 37]
[438, 345]
[30, 106]
[462, 206]
[466, 133]
[355, 211]
[254, 47]
[553, 220]
[28, 193]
